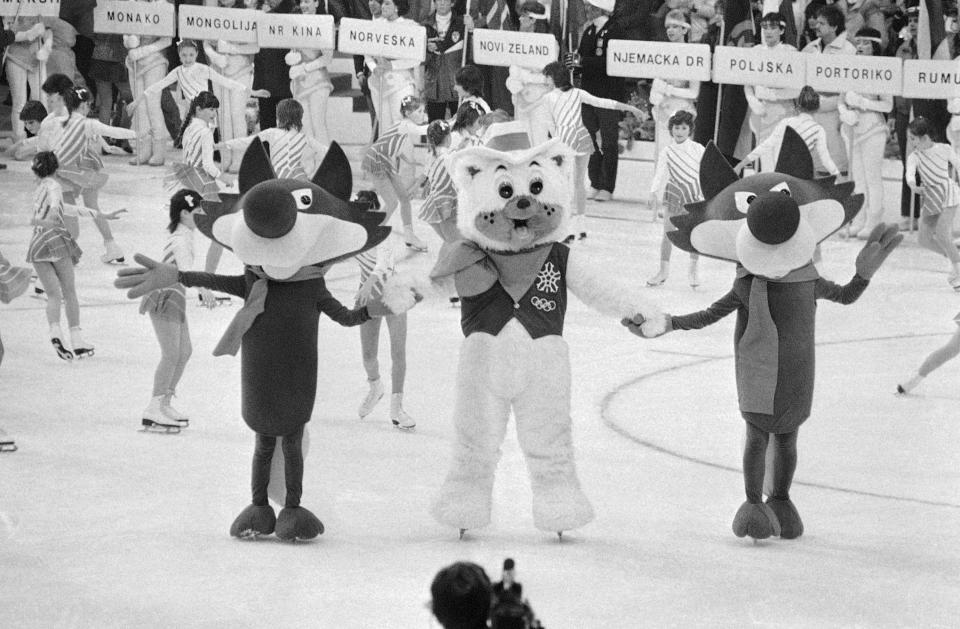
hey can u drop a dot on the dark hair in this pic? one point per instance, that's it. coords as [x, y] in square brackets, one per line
[872, 33]
[920, 127]
[560, 75]
[773, 18]
[72, 98]
[461, 595]
[203, 100]
[57, 84]
[403, 7]
[833, 15]
[535, 8]
[368, 198]
[409, 104]
[468, 114]
[45, 163]
[181, 200]
[469, 78]
[290, 114]
[437, 132]
[680, 117]
[187, 43]
[33, 110]
[808, 99]
[509, 564]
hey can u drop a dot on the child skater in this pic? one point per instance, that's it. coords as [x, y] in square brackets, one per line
[676, 182]
[565, 103]
[32, 115]
[76, 141]
[439, 209]
[384, 162]
[53, 251]
[167, 308]
[938, 167]
[468, 84]
[13, 282]
[935, 360]
[467, 127]
[293, 152]
[375, 266]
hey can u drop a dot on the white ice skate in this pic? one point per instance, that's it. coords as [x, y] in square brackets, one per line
[113, 253]
[398, 416]
[173, 413]
[7, 444]
[374, 395]
[155, 420]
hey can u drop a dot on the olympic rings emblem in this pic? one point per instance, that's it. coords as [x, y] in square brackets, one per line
[546, 305]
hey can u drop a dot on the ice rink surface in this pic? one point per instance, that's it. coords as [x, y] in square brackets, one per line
[102, 525]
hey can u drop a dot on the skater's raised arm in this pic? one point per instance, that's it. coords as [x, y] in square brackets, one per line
[97, 128]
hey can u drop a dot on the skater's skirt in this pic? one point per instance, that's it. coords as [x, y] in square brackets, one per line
[378, 166]
[75, 179]
[183, 175]
[13, 281]
[51, 244]
[438, 208]
[577, 138]
[169, 304]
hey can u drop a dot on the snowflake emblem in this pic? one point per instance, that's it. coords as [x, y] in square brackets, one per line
[547, 278]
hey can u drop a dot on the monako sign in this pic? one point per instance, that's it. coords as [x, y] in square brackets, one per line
[855, 73]
[29, 8]
[513, 48]
[931, 79]
[236, 25]
[126, 17]
[754, 66]
[406, 40]
[284, 30]
[657, 60]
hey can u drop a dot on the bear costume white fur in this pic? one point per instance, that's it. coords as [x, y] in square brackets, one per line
[511, 274]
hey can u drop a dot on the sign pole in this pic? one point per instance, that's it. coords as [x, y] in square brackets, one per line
[136, 119]
[716, 117]
[466, 39]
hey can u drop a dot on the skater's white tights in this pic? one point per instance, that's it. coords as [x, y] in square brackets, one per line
[936, 233]
[19, 79]
[369, 345]
[392, 192]
[59, 284]
[941, 354]
[91, 199]
[175, 350]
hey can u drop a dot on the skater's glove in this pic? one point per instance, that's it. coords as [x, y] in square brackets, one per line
[148, 277]
[882, 240]
[208, 299]
[43, 54]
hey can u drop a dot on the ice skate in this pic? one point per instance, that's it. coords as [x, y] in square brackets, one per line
[398, 416]
[659, 278]
[81, 349]
[173, 413]
[374, 395]
[113, 253]
[693, 274]
[296, 523]
[791, 526]
[254, 521]
[412, 241]
[7, 444]
[155, 420]
[909, 385]
[62, 351]
[756, 520]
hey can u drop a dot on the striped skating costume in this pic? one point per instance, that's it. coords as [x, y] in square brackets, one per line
[938, 167]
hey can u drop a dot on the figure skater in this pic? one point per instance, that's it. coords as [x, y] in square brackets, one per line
[146, 64]
[935, 360]
[310, 81]
[14, 281]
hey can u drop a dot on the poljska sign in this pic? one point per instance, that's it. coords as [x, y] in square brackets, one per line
[931, 79]
[406, 40]
[283, 30]
[29, 8]
[755, 66]
[127, 17]
[658, 60]
[855, 73]
[236, 25]
[513, 48]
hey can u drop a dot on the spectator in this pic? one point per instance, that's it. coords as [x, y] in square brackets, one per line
[460, 596]
[445, 31]
[108, 73]
[499, 15]
[529, 85]
[270, 69]
[391, 80]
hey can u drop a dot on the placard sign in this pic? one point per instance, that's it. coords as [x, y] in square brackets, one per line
[513, 48]
[754, 66]
[931, 79]
[236, 25]
[29, 8]
[657, 60]
[127, 17]
[283, 30]
[404, 40]
[855, 73]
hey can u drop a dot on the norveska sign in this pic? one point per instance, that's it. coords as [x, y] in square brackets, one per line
[380, 38]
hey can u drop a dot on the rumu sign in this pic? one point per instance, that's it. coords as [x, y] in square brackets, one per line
[236, 25]
[407, 40]
[658, 60]
[125, 17]
[513, 48]
[931, 79]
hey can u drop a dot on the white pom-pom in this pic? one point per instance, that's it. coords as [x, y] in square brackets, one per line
[131, 41]
[292, 58]
[400, 293]
[654, 326]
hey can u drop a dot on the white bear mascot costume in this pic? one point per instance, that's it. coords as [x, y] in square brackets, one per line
[512, 276]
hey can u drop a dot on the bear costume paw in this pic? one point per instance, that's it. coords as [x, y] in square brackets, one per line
[298, 523]
[561, 508]
[253, 521]
[463, 505]
[791, 526]
[756, 520]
